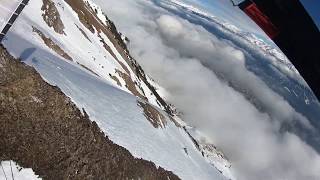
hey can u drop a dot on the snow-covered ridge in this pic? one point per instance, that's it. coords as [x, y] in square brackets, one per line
[102, 78]
[210, 152]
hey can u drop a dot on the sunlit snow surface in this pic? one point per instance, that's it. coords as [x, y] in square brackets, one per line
[11, 171]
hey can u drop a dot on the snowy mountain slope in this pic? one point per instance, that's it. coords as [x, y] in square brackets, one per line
[74, 46]
[211, 153]
[43, 129]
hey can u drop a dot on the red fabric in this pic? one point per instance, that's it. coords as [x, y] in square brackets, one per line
[262, 20]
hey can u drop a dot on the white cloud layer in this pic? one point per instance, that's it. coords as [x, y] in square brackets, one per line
[196, 67]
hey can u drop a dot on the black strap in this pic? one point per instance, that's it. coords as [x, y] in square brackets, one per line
[13, 18]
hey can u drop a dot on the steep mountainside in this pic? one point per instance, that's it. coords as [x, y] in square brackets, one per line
[74, 46]
[43, 130]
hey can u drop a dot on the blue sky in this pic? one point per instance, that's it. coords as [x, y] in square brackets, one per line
[225, 10]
